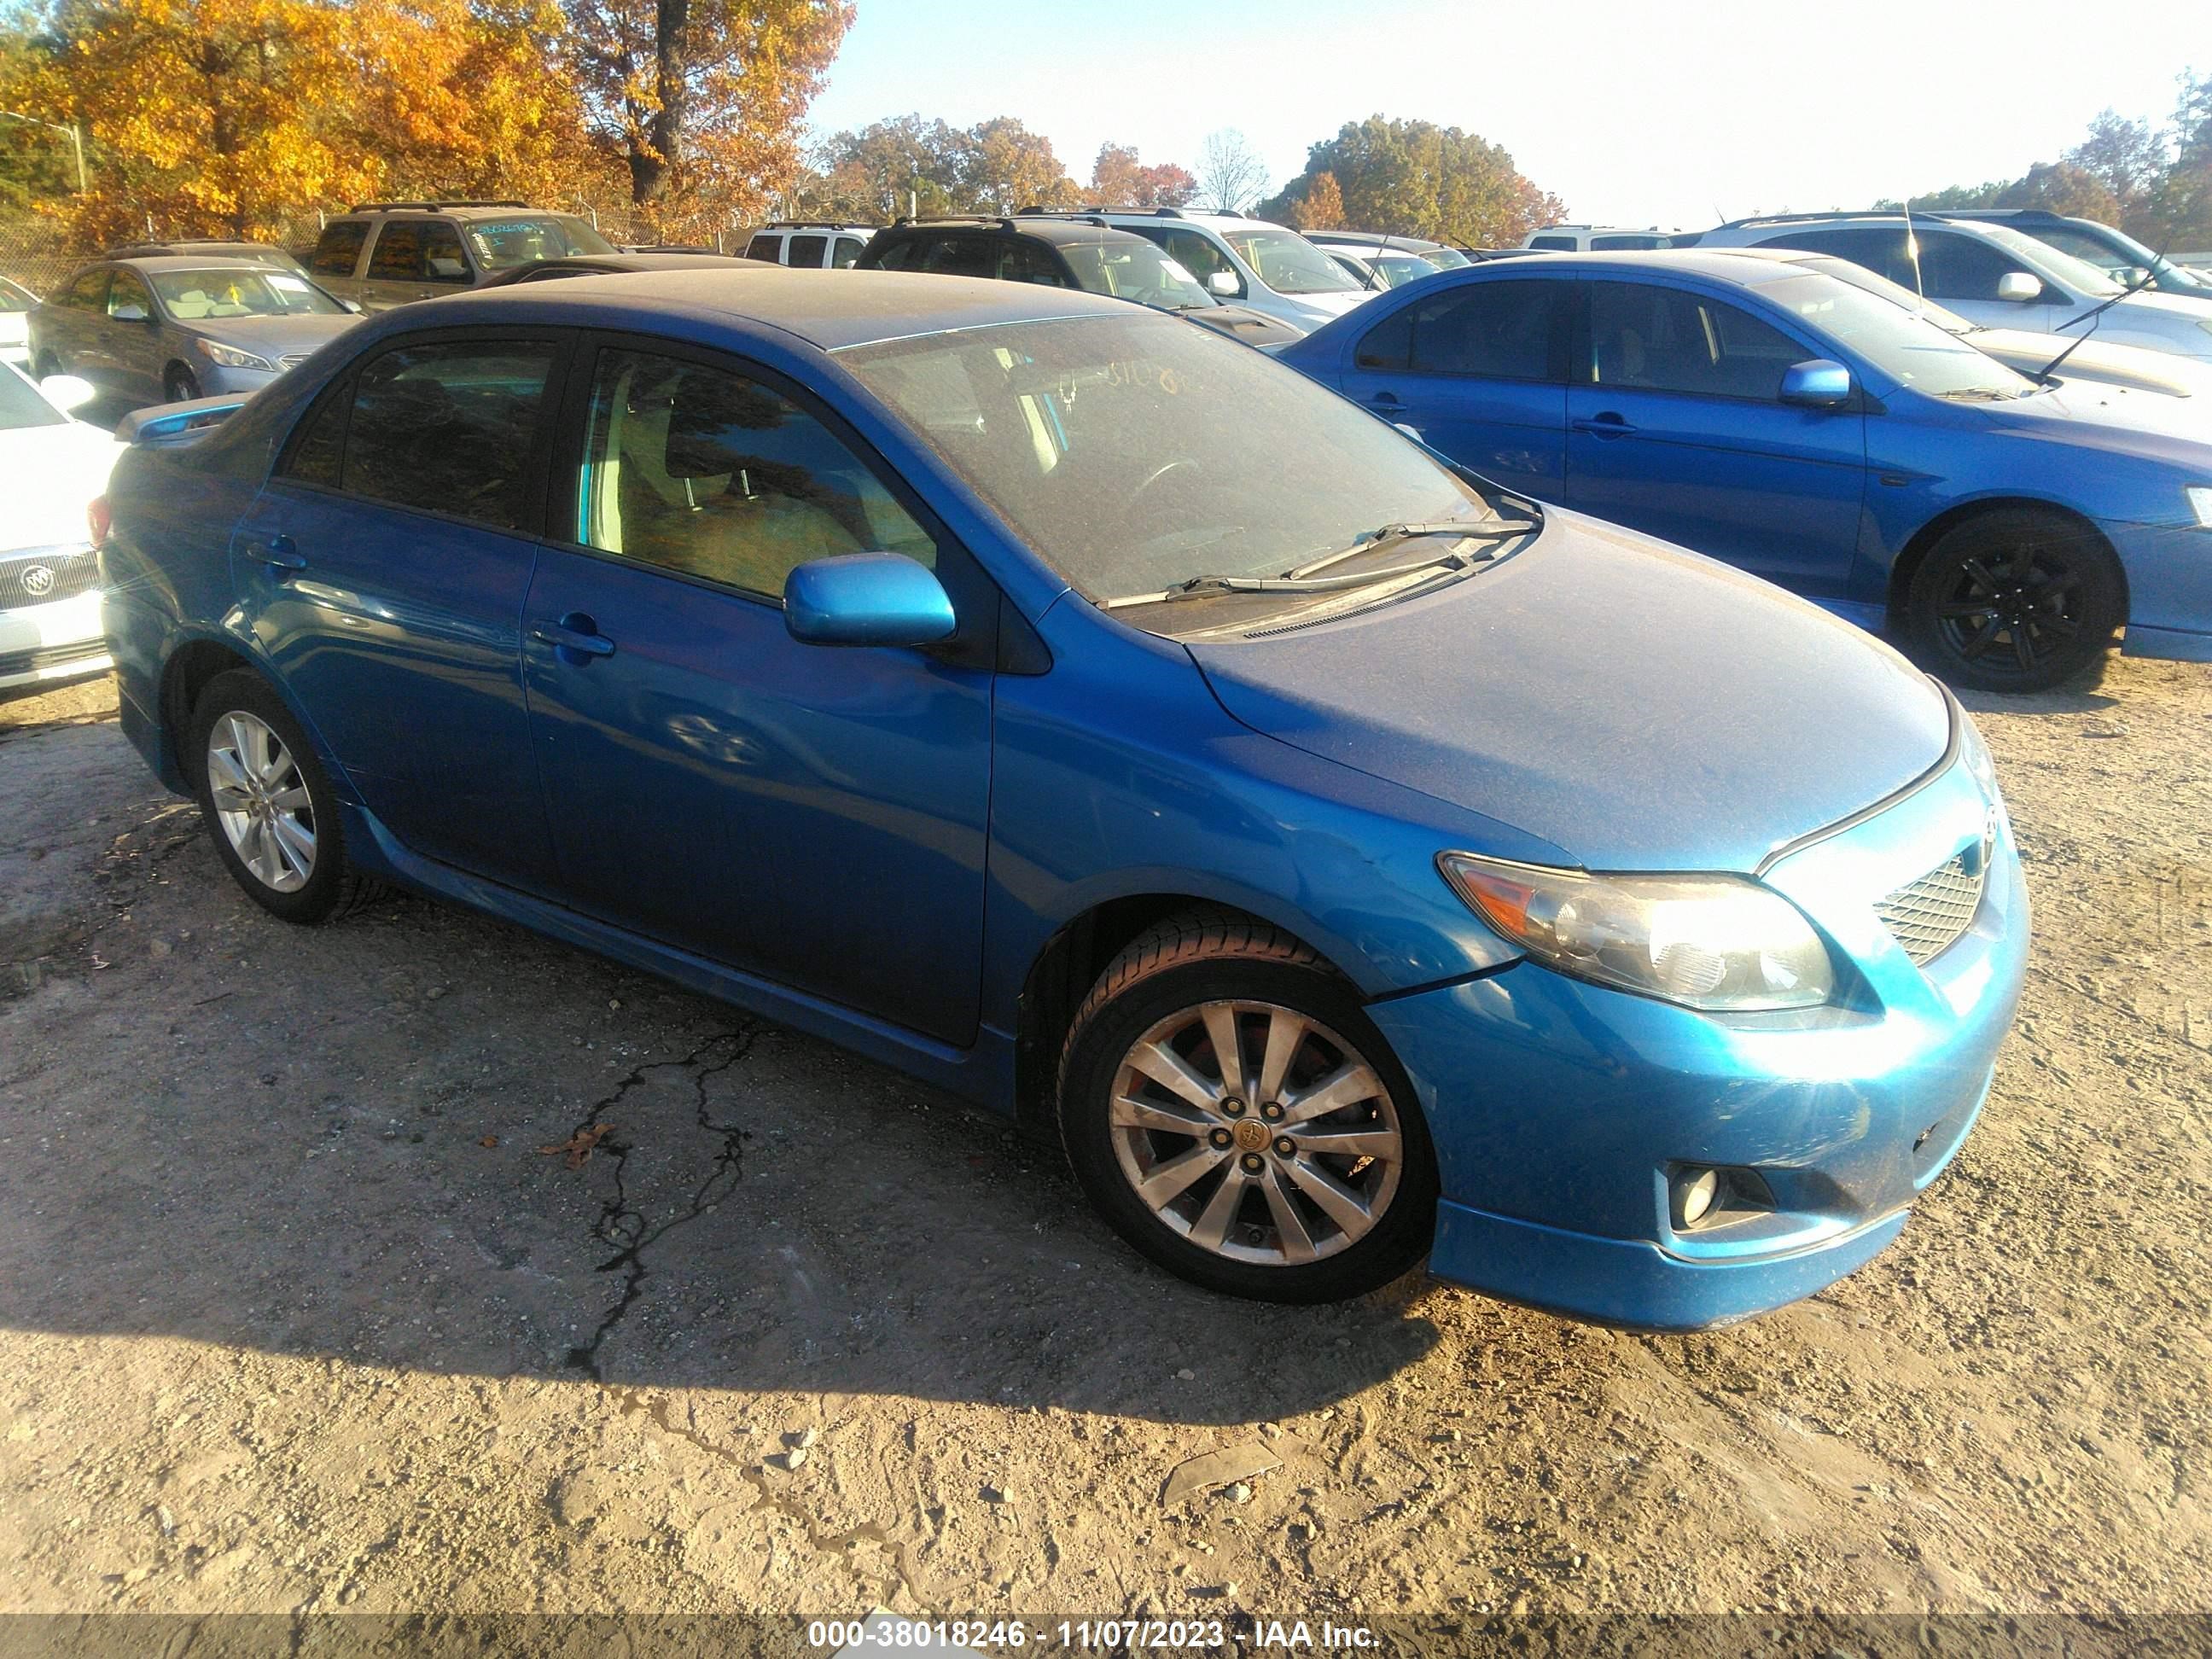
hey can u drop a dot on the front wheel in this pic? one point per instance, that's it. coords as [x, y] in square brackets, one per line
[268, 802]
[2015, 601]
[181, 384]
[1230, 1109]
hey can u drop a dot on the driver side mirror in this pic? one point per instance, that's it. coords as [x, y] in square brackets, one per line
[1224, 282]
[1817, 384]
[2018, 287]
[128, 313]
[66, 392]
[866, 599]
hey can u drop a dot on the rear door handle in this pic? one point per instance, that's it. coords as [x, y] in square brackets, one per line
[279, 554]
[575, 632]
[1604, 424]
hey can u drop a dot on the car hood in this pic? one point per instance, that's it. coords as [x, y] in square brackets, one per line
[2113, 419]
[273, 337]
[52, 473]
[1242, 322]
[1637, 707]
[2136, 367]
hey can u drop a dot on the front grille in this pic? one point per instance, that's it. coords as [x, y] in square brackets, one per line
[46, 575]
[1927, 917]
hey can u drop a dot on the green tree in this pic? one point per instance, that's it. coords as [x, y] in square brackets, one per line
[2061, 187]
[887, 168]
[1008, 167]
[1416, 178]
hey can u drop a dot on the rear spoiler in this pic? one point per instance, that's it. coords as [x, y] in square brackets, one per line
[167, 426]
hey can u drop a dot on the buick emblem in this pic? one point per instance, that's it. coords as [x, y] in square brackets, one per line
[39, 579]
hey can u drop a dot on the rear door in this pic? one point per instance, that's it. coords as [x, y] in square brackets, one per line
[384, 568]
[137, 351]
[816, 816]
[809, 251]
[1674, 428]
[73, 324]
[414, 259]
[1478, 369]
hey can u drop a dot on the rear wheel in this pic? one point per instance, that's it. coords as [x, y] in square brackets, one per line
[268, 803]
[2015, 601]
[181, 384]
[1230, 1109]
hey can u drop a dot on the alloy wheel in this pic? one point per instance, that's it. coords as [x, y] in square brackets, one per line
[261, 801]
[2014, 615]
[1256, 1133]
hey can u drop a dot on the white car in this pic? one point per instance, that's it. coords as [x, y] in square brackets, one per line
[2095, 360]
[1598, 239]
[1246, 262]
[51, 468]
[1989, 274]
[15, 303]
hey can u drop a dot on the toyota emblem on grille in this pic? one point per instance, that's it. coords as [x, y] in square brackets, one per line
[38, 580]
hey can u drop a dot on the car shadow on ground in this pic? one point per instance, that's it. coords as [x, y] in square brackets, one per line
[423, 1138]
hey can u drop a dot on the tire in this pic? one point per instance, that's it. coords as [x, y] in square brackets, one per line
[180, 385]
[1237, 1213]
[274, 818]
[48, 364]
[2015, 601]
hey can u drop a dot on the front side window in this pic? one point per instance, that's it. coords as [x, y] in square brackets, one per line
[701, 471]
[1025, 262]
[1960, 268]
[806, 252]
[129, 294]
[959, 256]
[1662, 339]
[447, 427]
[1132, 453]
[442, 258]
[338, 249]
[1134, 269]
[1195, 254]
[1909, 348]
[1630, 243]
[89, 291]
[848, 249]
[195, 296]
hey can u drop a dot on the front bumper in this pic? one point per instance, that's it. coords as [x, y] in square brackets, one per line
[45, 644]
[1560, 1110]
[217, 381]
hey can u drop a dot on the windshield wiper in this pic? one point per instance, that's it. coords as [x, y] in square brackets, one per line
[1301, 580]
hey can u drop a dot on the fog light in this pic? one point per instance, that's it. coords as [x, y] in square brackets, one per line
[1695, 1190]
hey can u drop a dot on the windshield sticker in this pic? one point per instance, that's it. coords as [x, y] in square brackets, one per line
[290, 285]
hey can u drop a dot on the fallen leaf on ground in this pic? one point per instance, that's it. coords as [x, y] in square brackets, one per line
[488, 1140]
[1217, 1468]
[578, 1146]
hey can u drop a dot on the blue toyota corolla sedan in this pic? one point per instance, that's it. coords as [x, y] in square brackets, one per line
[1815, 434]
[1351, 860]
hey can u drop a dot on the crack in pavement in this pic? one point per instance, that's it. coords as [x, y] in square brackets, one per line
[625, 1227]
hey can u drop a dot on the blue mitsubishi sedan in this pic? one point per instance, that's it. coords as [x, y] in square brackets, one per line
[1349, 860]
[1816, 434]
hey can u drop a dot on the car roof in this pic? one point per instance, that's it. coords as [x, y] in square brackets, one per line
[162, 263]
[611, 263]
[1058, 233]
[828, 309]
[1744, 267]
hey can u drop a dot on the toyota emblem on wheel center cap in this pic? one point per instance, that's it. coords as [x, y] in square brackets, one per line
[37, 579]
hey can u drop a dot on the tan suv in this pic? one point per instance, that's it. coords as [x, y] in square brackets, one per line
[384, 254]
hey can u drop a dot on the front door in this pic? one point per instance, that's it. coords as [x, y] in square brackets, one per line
[1478, 369]
[384, 569]
[815, 816]
[1675, 429]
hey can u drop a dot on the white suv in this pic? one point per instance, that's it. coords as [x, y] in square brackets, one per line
[1989, 274]
[1597, 239]
[815, 244]
[1260, 265]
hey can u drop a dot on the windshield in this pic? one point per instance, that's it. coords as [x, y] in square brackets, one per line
[1879, 286]
[13, 297]
[1135, 270]
[503, 244]
[1396, 270]
[20, 405]
[1289, 263]
[195, 297]
[1445, 258]
[1911, 350]
[2098, 249]
[1133, 454]
[2077, 274]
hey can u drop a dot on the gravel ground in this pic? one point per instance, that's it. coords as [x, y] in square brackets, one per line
[296, 1313]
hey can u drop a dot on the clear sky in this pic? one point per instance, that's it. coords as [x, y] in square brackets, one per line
[1648, 111]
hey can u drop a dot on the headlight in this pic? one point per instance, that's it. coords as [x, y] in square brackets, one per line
[231, 357]
[1974, 755]
[1720, 943]
[2200, 503]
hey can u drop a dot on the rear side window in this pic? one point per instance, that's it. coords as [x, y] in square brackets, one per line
[770, 248]
[1556, 244]
[1882, 251]
[449, 428]
[89, 291]
[398, 255]
[960, 256]
[808, 250]
[1617, 244]
[895, 254]
[1499, 331]
[1664, 339]
[338, 250]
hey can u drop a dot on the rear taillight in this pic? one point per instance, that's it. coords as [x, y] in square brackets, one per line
[99, 519]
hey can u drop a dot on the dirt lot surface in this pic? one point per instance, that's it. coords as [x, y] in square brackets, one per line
[295, 1313]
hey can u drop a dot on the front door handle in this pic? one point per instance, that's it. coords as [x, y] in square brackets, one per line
[279, 554]
[1604, 424]
[575, 633]
[1386, 400]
